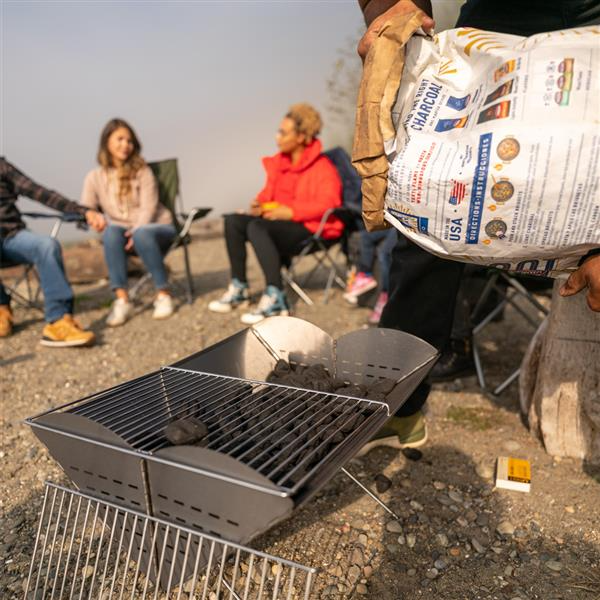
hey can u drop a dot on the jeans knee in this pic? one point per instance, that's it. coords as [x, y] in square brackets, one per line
[48, 246]
[112, 235]
[143, 237]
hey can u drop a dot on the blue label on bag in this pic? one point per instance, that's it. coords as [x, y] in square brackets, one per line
[478, 191]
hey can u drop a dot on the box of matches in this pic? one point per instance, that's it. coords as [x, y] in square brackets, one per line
[513, 474]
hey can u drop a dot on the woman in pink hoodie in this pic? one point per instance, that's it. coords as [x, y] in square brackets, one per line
[302, 184]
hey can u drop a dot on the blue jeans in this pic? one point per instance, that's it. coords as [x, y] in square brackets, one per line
[384, 241]
[42, 251]
[150, 242]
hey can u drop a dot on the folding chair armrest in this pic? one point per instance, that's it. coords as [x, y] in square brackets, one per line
[64, 217]
[193, 215]
[326, 215]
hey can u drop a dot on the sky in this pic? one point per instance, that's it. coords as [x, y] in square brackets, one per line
[201, 81]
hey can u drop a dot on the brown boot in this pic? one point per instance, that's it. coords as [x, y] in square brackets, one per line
[6, 320]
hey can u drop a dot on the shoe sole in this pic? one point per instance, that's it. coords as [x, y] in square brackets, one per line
[162, 317]
[283, 313]
[229, 308]
[362, 291]
[390, 442]
[74, 344]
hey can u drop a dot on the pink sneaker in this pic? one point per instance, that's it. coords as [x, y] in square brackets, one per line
[362, 283]
[375, 316]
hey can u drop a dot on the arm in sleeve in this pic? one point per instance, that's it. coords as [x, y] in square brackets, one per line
[148, 198]
[327, 194]
[89, 194]
[25, 186]
[372, 9]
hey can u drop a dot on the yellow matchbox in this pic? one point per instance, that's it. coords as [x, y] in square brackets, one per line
[513, 474]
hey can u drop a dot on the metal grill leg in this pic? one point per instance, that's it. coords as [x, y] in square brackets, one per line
[371, 494]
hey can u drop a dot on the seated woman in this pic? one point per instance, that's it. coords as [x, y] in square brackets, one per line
[302, 184]
[125, 189]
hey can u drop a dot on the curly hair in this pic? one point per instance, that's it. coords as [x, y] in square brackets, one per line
[306, 119]
[127, 171]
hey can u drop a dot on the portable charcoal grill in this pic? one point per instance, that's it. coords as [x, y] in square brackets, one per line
[270, 447]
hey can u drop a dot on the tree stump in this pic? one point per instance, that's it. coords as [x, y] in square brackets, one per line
[560, 379]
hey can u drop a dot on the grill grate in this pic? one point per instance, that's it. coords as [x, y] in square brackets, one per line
[281, 432]
[88, 548]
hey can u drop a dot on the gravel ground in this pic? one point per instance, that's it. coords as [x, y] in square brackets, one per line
[457, 537]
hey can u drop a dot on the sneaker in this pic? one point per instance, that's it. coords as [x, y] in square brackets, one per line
[375, 315]
[120, 312]
[455, 362]
[272, 303]
[236, 296]
[362, 284]
[66, 332]
[163, 306]
[6, 320]
[399, 432]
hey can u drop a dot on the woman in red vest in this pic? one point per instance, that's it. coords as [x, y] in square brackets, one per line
[302, 184]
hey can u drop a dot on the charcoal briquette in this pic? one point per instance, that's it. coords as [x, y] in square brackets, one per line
[282, 367]
[382, 483]
[186, 431]
[412, 453]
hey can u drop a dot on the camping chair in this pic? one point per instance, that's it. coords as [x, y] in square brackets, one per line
[508, 293]
[321, 249]
[167, 177]
[30, 298]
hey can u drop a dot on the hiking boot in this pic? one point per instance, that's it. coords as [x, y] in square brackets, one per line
[399, 432]
[163, 307]
[375, 315]
[120, 312]
[361, 284]
[455, 362]
[272, 303]
[66, 332]
[6, 320]
[236, 296]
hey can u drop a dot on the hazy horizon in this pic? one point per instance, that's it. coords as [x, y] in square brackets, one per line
[204, 82]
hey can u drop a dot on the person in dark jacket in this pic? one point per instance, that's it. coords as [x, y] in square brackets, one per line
[424, 287]
[18, 245]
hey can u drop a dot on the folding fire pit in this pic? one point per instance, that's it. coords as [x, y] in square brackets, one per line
[269, 448]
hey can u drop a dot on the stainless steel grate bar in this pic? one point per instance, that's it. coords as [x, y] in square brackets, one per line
[114, 552]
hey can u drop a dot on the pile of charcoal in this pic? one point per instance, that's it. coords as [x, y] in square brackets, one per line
[317, 377]
[283, 431]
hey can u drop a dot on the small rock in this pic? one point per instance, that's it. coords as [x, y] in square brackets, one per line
[393, 548]
[416, 505]
[363, 539]
[508, 571]
[505, 528]
[554, 565]
[482, 520]
[511, 445]
[361, 589]
[331, 590]
[412, 454]
[87, 571]
[411, 540]
[454, 552]
[570, 509]
[432, 573]
[455, 496]
[394, 526]
[442, 539]
[411, 572]
[368, 571]
[357, 557]
[354, 573]
[275, 569]
[382, 483]
[438, 485]
[462, 521]
[479, 548]
[444, 500]
[484, 471]
[440, 564]
[401, 540]
[520, 534]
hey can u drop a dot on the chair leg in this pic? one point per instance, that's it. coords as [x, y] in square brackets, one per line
[301, 293]
[188, 274]
[135, 289]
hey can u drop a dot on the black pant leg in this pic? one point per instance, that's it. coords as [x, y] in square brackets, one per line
[236, 236]
[423, 291]
[272, 240]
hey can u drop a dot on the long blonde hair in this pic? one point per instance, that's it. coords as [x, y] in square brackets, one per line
[128, 170]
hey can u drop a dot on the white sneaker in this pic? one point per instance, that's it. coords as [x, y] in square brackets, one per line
[120, 312]
[236, 296]
[163, 307]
